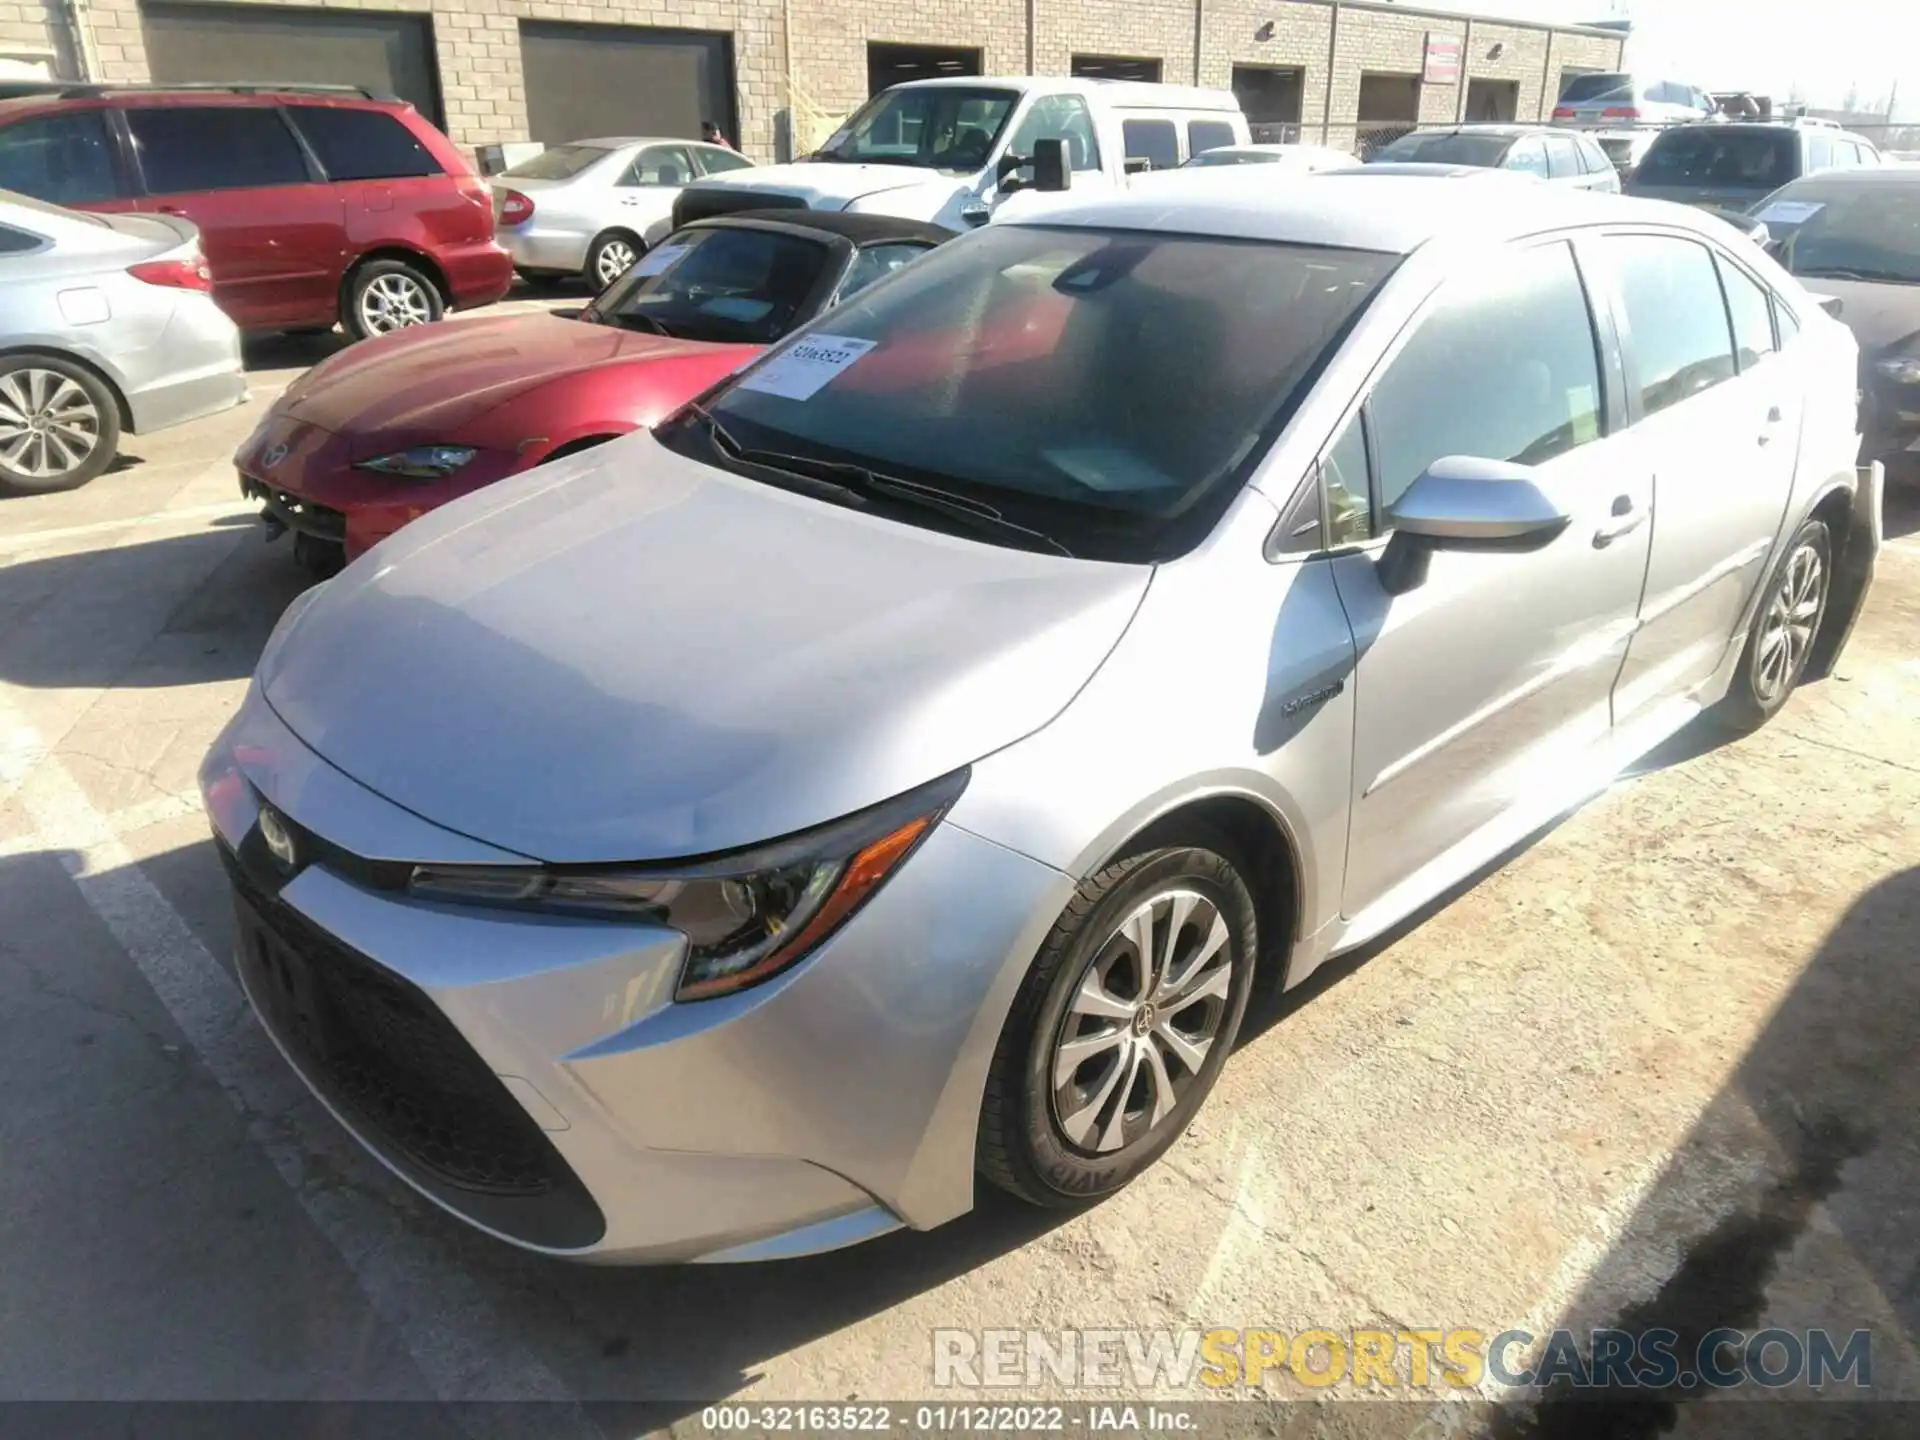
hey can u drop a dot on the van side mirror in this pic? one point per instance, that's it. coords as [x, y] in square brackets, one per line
[1009, 166]
[1465, 502]
[1052, 171]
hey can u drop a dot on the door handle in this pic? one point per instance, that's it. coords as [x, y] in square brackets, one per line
[1627, 518]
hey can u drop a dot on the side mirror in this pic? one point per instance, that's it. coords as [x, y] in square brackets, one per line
[1051, 169]
[1010, 164]
[1465, 502]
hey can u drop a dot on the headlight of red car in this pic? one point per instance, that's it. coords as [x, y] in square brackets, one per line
[421, 462]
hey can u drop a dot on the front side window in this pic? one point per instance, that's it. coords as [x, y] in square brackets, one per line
[1751, 308]
[715, 161]
[1680, 340]
[722, 284]
[1154, 141]
[1113, 389]
[660, 165]
[362, 144]
[1059, 117]
[1502, 368]
[1348, 496]
[935, 127]
[1204, 135]
[875, 263]
[66, 159]
[231, 147]
[558, 162]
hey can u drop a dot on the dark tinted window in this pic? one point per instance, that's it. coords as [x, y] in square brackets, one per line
[1677, 321]
[362, 144]
[722, 284]
[1581, 88]
[559, 162]
[1720, 155]
[1563, 158]
[224, 148]
[1502, 368]
[67, 159]
[1111, 388]
[13, 242]
[1207, 135]
[1444, 148]
[1845, 229]
[1155, 141]
[1752, 310]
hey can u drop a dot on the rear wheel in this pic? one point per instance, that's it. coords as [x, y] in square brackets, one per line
[1791, 609]
[387, 295]
[59, 426]
[610, 256]
[1121, 1027]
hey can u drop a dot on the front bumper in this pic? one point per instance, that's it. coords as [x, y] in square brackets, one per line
[572, 1106]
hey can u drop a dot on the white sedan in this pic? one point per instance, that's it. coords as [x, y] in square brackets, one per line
[593, 207]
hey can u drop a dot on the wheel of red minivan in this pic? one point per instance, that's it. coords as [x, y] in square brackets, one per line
[387, 295]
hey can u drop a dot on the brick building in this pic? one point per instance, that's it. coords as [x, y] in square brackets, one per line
[781, 72]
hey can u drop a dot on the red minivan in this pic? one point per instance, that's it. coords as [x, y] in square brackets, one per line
[315, 205]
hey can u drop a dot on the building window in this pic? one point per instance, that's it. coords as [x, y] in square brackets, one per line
[1389, 108]
[1114, 67]
[896, 64]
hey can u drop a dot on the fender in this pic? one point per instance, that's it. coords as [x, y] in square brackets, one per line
[1855, 560]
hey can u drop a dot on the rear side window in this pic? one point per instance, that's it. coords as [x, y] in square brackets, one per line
[561, 162]
[225, 148]
[1155, 141]
[659, 165]
[16, 242]
[1677, 321]
[715, 161]
[1751, 309]
[362, 144]
[1205, 135]
[1563, 158]
[66, 159]
[1502, 368]
[1528, 156]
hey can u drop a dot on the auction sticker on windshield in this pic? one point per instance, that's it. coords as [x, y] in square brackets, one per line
[1791, 212]
[799, 372]
[654, 261]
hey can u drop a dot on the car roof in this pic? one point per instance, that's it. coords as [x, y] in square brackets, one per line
[1392, 213]
[860, 229]
[1430, 170]
[1127, 94]
[79, 95]
[617, 142]
[1863, 175]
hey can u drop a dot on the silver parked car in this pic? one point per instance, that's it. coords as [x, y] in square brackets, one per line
[905, 760]
[593, 207]
[107, 325]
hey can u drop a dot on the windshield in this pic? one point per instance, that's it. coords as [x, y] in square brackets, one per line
[1110, 389]
[1869, 231]
[1234, 157]
[1447, 149]
[1717, 155]
[937, 127]
[1582, 88]
[722, 284]
[562, 162]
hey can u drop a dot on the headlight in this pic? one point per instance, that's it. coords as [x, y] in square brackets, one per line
[1902, 369]
[421, 462]
[747, 916]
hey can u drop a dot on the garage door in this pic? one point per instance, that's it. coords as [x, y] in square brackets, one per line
[590, 80]
[225, 44]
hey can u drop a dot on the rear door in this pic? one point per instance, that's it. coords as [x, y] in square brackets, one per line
[272, 229]
[1715, 417]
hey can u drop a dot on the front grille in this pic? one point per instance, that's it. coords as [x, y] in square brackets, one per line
[299, 515]
[383, 1054]
[695, 203]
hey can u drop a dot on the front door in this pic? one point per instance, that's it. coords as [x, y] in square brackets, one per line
[1477, 689]
[1717, 420]
[273, 233]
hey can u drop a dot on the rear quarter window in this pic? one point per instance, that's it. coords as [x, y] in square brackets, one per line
[362, 144]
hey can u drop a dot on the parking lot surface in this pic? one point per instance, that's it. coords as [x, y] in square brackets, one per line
[1662, 1068]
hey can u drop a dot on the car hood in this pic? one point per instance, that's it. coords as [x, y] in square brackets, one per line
[439, 377]
[1884, 318]
[828, 185]
[626, 655]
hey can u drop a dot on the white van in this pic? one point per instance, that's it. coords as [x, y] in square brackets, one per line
[948, 150]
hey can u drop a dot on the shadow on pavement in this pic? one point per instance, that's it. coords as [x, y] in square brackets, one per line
[1902, 507]
[1814, 1144]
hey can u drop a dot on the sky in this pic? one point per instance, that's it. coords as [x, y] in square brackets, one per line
[1826, 47]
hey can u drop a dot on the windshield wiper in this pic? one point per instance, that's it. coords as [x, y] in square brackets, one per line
[857, 482]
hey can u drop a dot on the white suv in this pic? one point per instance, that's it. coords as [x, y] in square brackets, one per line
[1615, 100]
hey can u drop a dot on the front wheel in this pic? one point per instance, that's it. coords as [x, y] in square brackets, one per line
[59, 426]
[610, 256]
[1121, 1027]
[387, 295]
[1783, 632]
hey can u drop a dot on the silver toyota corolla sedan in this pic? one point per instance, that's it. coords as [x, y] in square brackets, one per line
[905, 762]
[593, 207]
[107, 325]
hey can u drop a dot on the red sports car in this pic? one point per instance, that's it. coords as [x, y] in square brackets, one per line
[387, 430]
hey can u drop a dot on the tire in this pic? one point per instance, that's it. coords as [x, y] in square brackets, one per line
[1784, 628]
[322, 559]
[386, 295]
[1060, 1134]
[609, 257]
[59, 424]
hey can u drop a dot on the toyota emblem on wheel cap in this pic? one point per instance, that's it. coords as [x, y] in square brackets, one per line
[279, 839]
[274, 456]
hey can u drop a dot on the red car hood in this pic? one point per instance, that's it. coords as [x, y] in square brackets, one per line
[439, 377]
